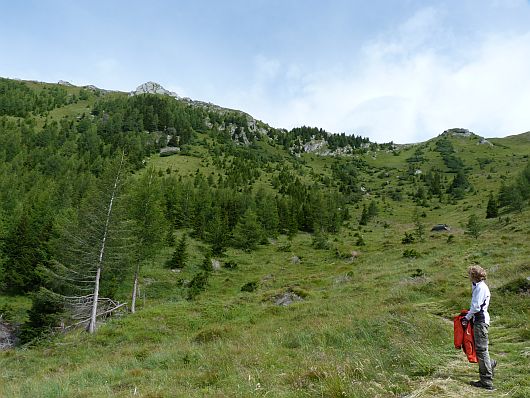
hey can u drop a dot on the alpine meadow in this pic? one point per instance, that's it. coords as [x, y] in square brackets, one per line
[157, 246]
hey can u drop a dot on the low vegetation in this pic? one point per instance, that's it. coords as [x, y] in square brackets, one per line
[269, 271]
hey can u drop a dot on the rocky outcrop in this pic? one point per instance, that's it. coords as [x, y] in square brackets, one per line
[153, 88]
[7, 335]
[458, 132]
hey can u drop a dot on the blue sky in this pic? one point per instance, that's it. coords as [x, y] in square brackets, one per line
[400, 70]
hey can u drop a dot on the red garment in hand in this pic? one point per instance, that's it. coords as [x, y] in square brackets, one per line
[464, 337]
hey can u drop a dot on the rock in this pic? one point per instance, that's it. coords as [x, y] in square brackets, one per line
[342, 279]
[484, 141]
[295, 260]
[65, 83]
[7, 335]
[152, 88]
[169, 150]
[287, 298]
[216, 264]
[441, 228]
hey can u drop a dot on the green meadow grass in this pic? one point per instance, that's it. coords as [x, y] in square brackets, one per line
[378, 325]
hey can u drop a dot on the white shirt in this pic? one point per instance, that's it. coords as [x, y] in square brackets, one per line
[480, 301]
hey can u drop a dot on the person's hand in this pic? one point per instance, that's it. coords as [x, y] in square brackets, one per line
[464, 322]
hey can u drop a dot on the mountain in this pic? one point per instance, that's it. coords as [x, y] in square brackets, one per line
[269, 262]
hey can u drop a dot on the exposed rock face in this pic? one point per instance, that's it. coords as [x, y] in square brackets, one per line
[484, 141]
[458, 132]
[153, 88]
[65, 83]
[7, 336]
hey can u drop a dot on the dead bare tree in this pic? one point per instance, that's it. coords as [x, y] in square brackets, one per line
[94, 245]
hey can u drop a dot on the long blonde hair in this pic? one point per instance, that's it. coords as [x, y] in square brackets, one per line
[476, 273]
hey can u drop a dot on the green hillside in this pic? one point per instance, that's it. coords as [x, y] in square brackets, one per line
[307, 272]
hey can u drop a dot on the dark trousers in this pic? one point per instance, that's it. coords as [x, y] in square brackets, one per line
[480, 331]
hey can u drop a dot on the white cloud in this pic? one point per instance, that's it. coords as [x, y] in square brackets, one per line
[409, 87]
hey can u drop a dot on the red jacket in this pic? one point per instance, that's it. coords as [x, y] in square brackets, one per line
[464, 338]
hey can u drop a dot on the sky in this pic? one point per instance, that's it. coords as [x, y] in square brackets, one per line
[390, 70]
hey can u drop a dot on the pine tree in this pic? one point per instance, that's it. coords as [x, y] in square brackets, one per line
[473, 226]
[420, 228]
[492, 209]
[180, 255]
[364, 216]
[149, 222]
[247, 233]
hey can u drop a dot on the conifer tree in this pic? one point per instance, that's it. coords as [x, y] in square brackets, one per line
[473, 226]
[180, 255]
[247, 233]
[146, 211]
[492, 209]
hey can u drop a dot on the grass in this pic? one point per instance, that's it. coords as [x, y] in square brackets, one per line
[376, 325]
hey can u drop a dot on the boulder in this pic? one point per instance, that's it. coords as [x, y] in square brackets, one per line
[287, 298]
[441, 228]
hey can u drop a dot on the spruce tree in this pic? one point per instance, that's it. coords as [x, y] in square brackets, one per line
[247, 233]
[492, 209]
[180, 255]
[473, 226]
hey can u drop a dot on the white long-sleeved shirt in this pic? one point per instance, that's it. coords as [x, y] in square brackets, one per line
[480, 301]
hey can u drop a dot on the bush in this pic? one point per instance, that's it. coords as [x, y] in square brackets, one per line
[46, 312]
[230, 265]
[249, 286]
[320, 242]
[408, 239]
[411, 253]
[197, 285]
[518, 286]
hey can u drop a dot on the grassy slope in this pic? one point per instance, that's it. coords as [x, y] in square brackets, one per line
[366, 327]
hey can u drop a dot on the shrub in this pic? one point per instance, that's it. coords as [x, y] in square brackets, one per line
[230, 265]
[408, 239]
[197, 285]
[411, 253]
[249, 286]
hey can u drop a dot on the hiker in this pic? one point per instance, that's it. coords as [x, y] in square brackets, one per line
[478, 312]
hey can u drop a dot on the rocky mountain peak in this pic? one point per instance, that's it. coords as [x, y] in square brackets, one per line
[153, 88]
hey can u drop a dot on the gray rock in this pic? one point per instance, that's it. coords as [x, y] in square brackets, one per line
[216, 264]
[287, 298]
[7, 335]
[153, 88]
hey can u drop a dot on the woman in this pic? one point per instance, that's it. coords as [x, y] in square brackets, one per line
[480, 301]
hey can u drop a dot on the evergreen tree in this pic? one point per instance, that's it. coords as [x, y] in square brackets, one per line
[364, 216]
[473, 226]
[218, 232]
[180, 255]
[145, 209]
[247, 233]
[492, 210]
[420, 228]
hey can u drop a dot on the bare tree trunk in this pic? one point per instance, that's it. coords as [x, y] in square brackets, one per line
[135, 289]
[92, 325]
